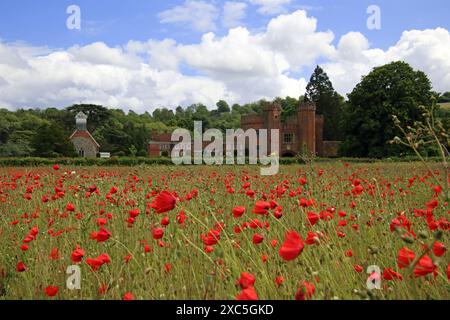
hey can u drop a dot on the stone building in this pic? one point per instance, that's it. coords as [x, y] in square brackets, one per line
[298, 133]
[84, 143]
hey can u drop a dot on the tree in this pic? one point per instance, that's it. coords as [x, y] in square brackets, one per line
[51, 141]
[97, 115]
[393, 89]
[328, 103]
[222, 106]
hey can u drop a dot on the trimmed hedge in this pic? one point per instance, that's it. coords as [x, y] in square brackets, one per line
[129, 161]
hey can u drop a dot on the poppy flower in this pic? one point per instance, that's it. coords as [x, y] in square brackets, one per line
[70, 207]
[389, 274]
[305, 291]
[158, 233]
[312, 217]
[54, 254]
[439, 249]
[312, 238]
[165, 221]
[405, 257]
[164, 202]
[246, 280]
[261, 207]
[257, 238]
[248, 294]
[349, 253]
[103, 235]
[77, 254]
[56, 167]
[448, 271]
[51, 291]
[425, 266]
[238, 211]
[279, 280]
[134, 213]
[128, 296]
[292, 246]
[358, 268]
[21, 267]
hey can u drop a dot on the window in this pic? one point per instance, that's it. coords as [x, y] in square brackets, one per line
[288, 138]
[81, 153]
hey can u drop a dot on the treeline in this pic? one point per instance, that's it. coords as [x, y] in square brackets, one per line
[362, 122]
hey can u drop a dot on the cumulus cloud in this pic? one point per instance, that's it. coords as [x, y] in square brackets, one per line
[240, 66]
[426, 50]
[200, 15]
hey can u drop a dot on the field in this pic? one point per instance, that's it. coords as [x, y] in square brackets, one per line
[310, 232]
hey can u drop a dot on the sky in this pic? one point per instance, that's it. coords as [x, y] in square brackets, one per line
[144, 54]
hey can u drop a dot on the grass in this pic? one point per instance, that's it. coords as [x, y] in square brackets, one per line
[181, 269]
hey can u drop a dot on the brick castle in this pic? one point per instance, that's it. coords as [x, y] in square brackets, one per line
[299, 132]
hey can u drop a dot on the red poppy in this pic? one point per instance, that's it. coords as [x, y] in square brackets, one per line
[261, 207]
[389, 274]
[405, 257]
[257, 238]
[312, 217]
[103, 235]
[165, 221]
[128, 296]
[292, 246]
[349, 253]
[305, 291]
[358, 268]
[70, 207]
[56, 167]
[312, 238]
[246, 280]
[238, 211]
[425, 266]
[279, 280]
[248, 294]
[77, 254]
[51, 291]
[21, 267]
[164, 202]
[54, 254]
[439, 249]
[158, 233]
[448, 271]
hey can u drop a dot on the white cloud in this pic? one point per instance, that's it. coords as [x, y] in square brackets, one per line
[241, 66]
[233, 14]
[425, 50]
[271, 6]
[200, 15]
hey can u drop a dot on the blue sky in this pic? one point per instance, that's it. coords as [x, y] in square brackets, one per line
[282, 47]
[115, 22]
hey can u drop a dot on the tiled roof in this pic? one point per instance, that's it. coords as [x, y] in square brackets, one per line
[83, 134]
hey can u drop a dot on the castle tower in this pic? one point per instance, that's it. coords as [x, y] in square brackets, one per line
[307, 126]
[272, 120]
